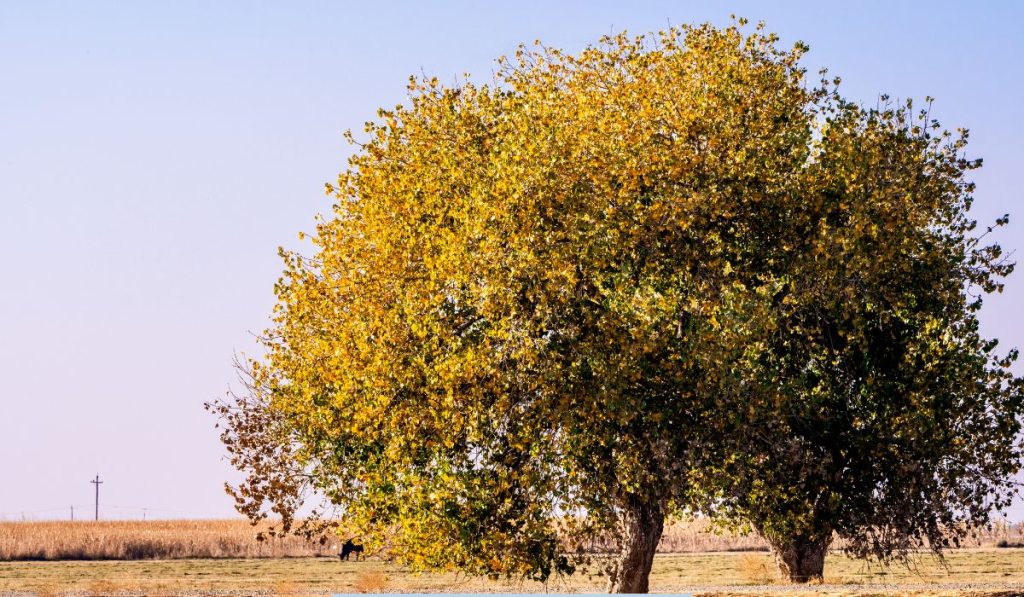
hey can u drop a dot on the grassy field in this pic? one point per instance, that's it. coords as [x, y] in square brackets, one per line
[184, 539]
[970, 572]
[177, 539]
[132, 540]
[222, 558]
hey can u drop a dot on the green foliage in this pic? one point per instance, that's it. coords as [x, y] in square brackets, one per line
[662, 274]
[871, 407]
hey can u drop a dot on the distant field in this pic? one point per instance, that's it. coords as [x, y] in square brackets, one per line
[222, 558]
[182, 539]
[971, 572]
[133, 540]
[177, 539]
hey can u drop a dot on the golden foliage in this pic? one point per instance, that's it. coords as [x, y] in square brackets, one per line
[517, 303]
[628, 282]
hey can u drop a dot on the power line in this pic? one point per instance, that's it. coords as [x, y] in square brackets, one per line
[97, 483]
[151, 509]
[141, 509]
[19, 512]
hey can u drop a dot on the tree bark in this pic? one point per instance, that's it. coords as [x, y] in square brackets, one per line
[801, 559]
[642, 525]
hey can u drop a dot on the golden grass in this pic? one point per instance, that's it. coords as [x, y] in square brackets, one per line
[179, 539]
[183, 539]
[757, 568]
[699, 534]
[136, 540]
[976, 572]
[371, 581]
[284, 587]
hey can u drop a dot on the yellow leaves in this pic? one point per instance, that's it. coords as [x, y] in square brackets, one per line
[516, 278]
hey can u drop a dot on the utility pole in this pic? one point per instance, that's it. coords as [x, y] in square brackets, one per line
[72, 513]
[97, 483]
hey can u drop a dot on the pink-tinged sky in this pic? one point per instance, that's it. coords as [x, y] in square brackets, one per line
[154, 155]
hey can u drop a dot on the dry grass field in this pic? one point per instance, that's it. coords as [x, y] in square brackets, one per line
[222, 558]
[134, 540]
[987, 572]
[179, 539]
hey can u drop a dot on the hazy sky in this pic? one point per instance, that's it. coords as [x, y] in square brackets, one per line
[154, 155]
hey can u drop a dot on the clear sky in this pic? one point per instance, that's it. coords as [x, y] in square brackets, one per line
[154, 155]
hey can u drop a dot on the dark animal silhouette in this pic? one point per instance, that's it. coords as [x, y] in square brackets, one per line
[350, 548]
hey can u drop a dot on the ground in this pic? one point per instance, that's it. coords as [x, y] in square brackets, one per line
[987, 572]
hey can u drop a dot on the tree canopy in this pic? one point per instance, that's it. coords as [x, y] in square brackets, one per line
[664, 274]
[871, 408]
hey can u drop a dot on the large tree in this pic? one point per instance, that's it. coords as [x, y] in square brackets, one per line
[533, 311]
[871, 409]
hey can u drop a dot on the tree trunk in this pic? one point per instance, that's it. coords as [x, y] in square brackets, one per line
[642, 525]
[801, 559]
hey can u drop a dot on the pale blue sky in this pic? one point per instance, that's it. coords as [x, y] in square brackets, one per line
[154, 155]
